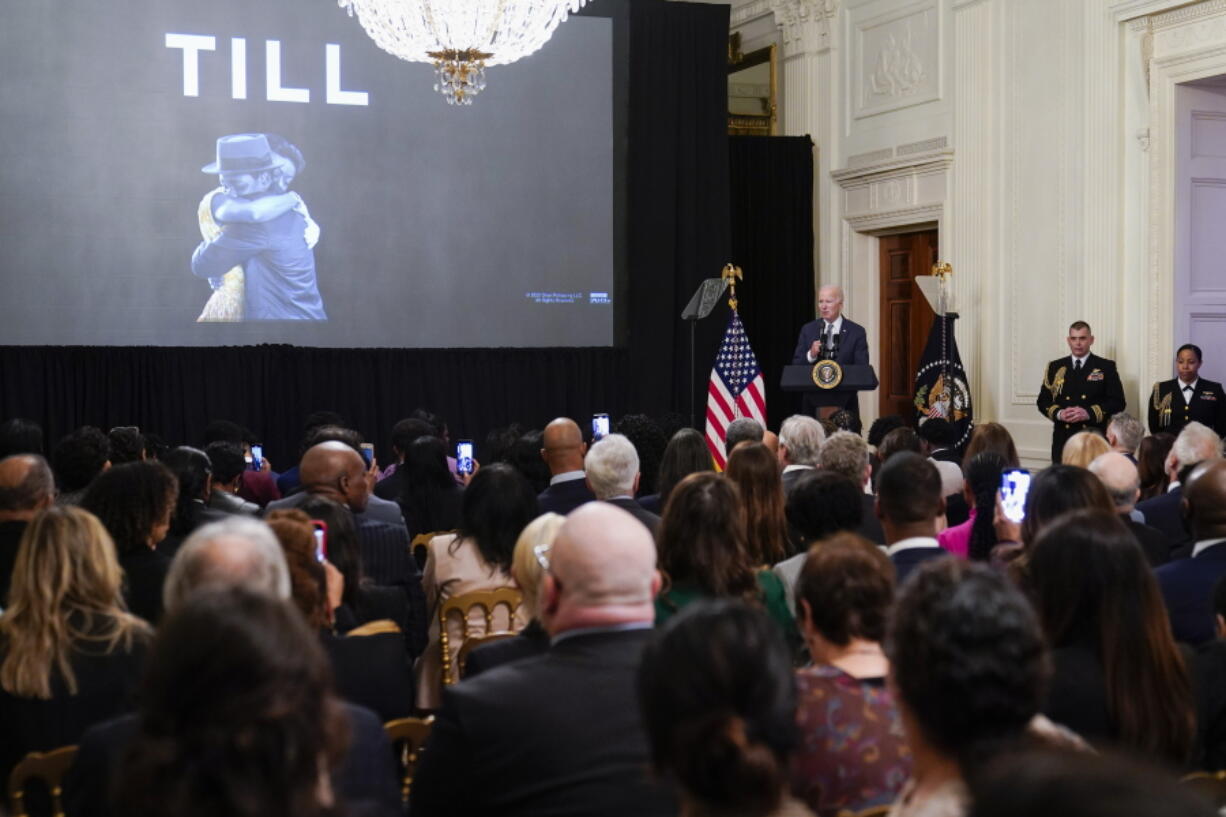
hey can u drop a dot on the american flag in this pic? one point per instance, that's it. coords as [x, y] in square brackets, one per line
[735, 388]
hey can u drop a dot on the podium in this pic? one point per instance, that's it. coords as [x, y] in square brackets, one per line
[828, 384]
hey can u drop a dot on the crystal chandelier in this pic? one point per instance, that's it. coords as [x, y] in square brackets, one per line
[460, 37]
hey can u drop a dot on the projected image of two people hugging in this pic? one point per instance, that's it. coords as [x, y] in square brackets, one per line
[258, 248]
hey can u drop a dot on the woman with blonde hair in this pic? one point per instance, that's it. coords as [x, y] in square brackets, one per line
[527, 570]
[70, 652]
[1082, 448]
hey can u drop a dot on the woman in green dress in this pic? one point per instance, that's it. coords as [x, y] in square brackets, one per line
[704, 554]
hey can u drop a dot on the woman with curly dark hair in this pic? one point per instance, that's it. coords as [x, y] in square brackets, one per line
[134, 501]
[967, 665]
[703, 553]
[237, 716]
[1119, 677]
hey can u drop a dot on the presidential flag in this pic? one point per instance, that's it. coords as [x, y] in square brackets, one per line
[735, 388]
[940, 382]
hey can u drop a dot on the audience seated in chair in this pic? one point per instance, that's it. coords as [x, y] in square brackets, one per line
[755, 472]
[1187, 584]
[135, 501]
[229, 466]
[237, 559]
[909, 503]
[559, 733]
[800, 441]
[429, 496]
[26, 487]
[847, 454]
[612, 467]
[527, 571]
[1196, 443]
[1119, 476]
[371, 670]
[685, 454]
[967, 666]
[852, 753]
[704, 555]
[1118, 678]
[70, 654]
[194, 473]
[78, 459]
[237, 716]
[498, 504]
[718, 704]
[563, 450]
[821, 504]
[362, 600]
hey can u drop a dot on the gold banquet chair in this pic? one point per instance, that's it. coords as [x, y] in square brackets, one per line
[49, 767]
[1210, 785]
[871, 811]
[487, 601]
[408, 737]
[420, 546]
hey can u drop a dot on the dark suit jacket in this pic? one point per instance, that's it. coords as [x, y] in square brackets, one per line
[372, 671]
[1153, 541]
[10, 538]
[565, 496]
[852, 350]
[1096, 388]
[1187, 588]
[638, 512]
[144, 574]
[1162, 512]
[557, 735]
[382, 510]
[531, 641]
[908, 560]
[366, 776]
[870, 525]
[788, 478]
[1169, 412]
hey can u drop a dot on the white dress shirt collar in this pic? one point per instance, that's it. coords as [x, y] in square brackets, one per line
[1204, 545]
[912, 542]
[566, 476]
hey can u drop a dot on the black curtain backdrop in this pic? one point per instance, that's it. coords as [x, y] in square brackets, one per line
[677, 212]
[772, 242]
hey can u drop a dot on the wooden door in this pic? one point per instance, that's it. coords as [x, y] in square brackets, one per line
[906, 317]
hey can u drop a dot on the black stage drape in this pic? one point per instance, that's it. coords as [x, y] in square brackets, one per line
[772, 242]
[677, 213]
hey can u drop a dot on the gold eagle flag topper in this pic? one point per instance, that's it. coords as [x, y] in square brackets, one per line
[732, 274]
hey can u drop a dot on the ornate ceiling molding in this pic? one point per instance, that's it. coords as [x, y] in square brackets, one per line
[807, 24]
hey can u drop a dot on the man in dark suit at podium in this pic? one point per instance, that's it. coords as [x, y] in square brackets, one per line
[833, 337]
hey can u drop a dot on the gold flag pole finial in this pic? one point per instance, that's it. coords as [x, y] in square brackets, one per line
[943, 270]
[732, 274]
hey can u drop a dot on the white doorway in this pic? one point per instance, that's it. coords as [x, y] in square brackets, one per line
[1200, 221]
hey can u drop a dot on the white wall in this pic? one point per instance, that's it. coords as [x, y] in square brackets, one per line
[1022, 128]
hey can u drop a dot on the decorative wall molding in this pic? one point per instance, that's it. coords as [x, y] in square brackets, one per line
[902, 217]
[896, 59]
[806, 24]
[1188, 14]
[870, 158]
[748, 12]
[910, 149]
[1122, 10]
[848, 176]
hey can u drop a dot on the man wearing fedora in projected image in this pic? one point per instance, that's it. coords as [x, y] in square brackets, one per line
[259, 233]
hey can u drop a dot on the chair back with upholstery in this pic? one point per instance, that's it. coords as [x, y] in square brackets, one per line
[49, 767]
[871, 811]
[408, 736]
[487, 601]
[472, 642]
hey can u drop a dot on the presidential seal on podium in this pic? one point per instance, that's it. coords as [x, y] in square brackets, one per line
[827, 374]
